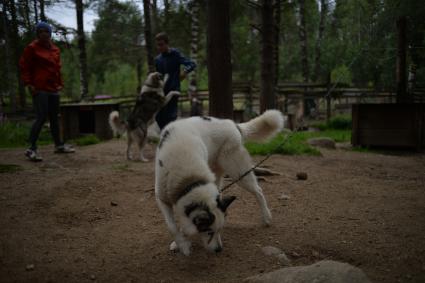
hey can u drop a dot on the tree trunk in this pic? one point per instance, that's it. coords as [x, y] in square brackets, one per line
[194, 10]
[166, 13]
[401, 77]
[7, 62]
[148, 35]
[268, 48]
[42, 14]
[17, 53]
[303, 41]
[277, 13]
[35, 11]
[82, 48]
[139, 75]
[219, 59]
[323, 13]
[155, 19]
[26, 7]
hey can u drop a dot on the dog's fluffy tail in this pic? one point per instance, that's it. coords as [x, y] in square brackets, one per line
[118, 127]
[262, 127]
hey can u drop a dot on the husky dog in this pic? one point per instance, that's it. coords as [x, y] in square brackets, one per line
[148, 103]
[192, 157]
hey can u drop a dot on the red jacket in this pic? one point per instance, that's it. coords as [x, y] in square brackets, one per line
[41, 67]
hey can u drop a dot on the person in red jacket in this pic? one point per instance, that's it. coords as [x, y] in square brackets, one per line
[40, 67]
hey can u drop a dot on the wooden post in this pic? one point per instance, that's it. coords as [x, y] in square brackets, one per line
[401, 61]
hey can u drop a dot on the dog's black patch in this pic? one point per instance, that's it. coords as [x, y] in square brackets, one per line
[205, 118]
[160, 163]
[164, 137]
[224, 203]
[204, 217]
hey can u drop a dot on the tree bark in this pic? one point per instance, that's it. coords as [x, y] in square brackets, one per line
[268, 48]
[166, 13]
[155, 19]
[42, 14]
[401, 77]
[35, 11]
[16, 46]
[82, 48]
[219, 59]
[148, 35]
[194, 9]
[302, 31]
[323, 13]
[277, 13]
[139, 75]
[7, 61]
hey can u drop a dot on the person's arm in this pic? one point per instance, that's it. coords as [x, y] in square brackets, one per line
[60, 74]
[188, 65]
[25, 66]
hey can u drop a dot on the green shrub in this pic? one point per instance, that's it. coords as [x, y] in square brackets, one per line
[14, 134]
[86, 140]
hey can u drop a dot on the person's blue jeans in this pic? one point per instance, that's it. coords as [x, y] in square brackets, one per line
[168, 113]
[46, 105]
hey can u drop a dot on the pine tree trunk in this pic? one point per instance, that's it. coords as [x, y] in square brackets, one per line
[194, 10]
[7, 62]
[166, 13]
[303, 41]
[219, 59]
[16, 46]
[139, 75]
[35, 11]
[154, 19]
[26, 7]
[148, 35]
[277, 13]
[42, 14]
[82, 49]
[323, 13]
[268, 48]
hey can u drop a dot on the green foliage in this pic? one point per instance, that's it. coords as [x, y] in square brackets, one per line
[10, 168]
[341, 75]
[16, 135]
[86, 140]
[342, 122]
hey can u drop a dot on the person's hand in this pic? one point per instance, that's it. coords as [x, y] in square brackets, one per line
[183, 75]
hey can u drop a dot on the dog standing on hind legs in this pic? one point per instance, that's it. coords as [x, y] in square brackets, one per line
[148, 103]
[192, 157]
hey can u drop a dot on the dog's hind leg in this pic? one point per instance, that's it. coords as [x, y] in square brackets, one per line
[142, 144]
[180, 241]
[236, 164]
[129, 142]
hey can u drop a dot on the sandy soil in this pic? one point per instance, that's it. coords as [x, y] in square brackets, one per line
[91, 216]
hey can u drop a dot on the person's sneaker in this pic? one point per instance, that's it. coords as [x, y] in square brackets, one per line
[66, 148]
[33, 156]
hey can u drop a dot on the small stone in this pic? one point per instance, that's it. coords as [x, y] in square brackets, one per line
[302, 176]
[295, 254]
[283, 259]
[284, 196]
[92, 277]
[270, 250]
[30, 267]
[315, 253]
[113, 203]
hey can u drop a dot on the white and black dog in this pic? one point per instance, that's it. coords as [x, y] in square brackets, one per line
[148, 103]
[192, 157]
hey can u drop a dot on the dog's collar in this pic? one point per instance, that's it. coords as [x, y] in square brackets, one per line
[190, 187]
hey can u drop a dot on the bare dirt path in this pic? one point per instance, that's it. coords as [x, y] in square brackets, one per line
[91, 216]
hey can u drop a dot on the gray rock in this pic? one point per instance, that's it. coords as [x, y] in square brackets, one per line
[302, 176]
[30, 267]
[320, 272]
[270, 250]
[284, 196]
[283, 259]
[322, 142]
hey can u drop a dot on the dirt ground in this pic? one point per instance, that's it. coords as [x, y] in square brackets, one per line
[91, 216]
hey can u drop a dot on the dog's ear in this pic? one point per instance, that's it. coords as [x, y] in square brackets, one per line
[224, 203]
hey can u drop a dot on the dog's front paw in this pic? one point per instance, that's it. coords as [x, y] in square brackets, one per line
[174, 247]
[185, 247]
[143, 159]
[267, 218]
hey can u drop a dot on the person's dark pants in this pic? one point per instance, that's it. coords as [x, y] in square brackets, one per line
[46, 105]
[168, 113]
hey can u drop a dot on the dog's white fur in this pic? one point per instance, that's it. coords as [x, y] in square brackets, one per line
[205, 149]
[153, 83]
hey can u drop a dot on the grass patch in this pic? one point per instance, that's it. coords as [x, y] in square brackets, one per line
[10, 168]
[121, 167]
[342, 122]
[86, 140]
[16, 135]
[296, 143]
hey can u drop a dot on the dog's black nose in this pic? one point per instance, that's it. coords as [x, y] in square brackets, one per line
[218, 249]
